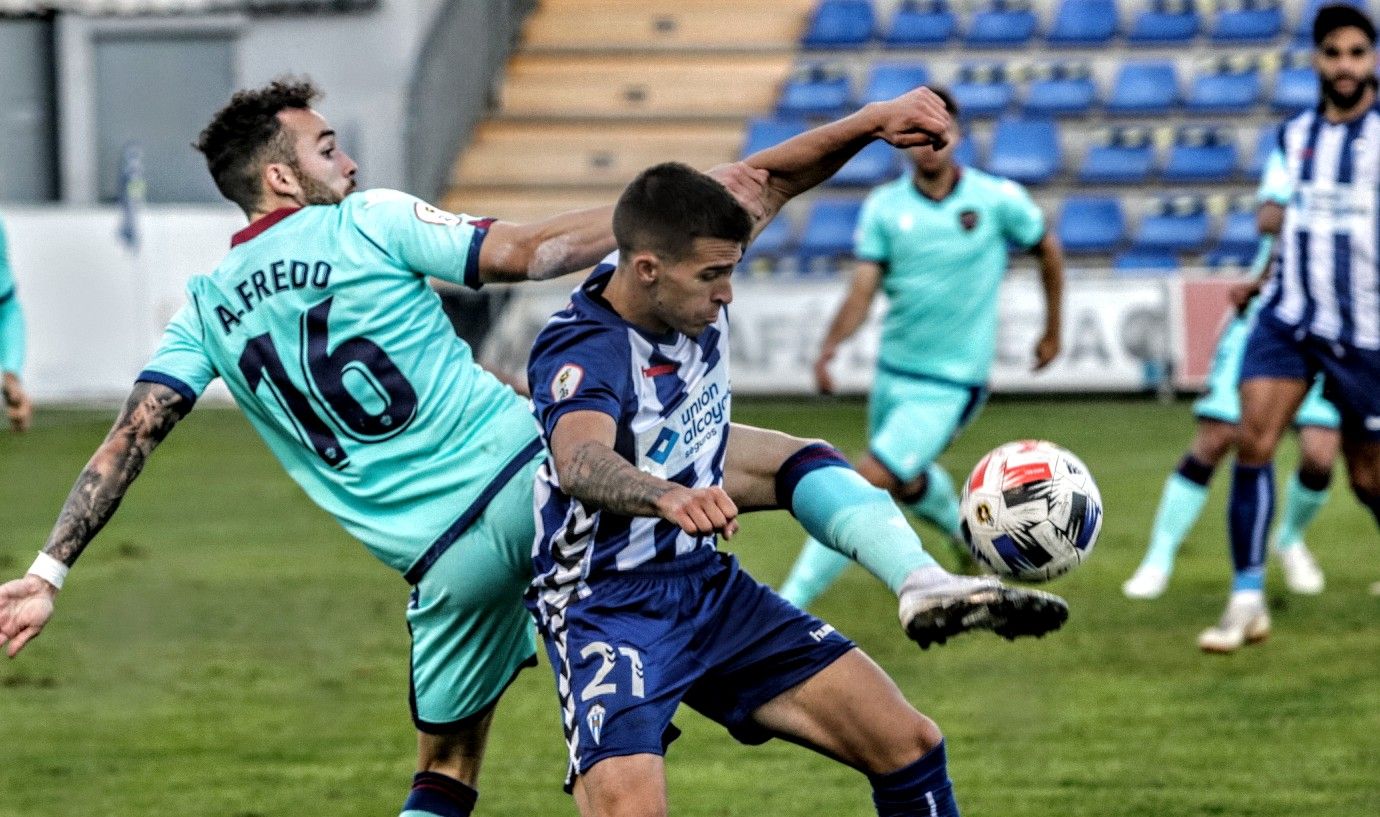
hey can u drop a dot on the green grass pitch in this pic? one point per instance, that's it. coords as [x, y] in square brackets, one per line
[224, 649]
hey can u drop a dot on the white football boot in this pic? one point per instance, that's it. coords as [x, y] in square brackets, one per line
[1245, 621]
[936, 605]
[1301, 571]
[1148, 582]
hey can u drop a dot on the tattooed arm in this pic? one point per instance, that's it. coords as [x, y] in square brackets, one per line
[149, 414]
[591, 471]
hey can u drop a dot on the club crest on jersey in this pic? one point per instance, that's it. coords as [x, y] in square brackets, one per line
[968, 220]
[434, 215]
[595, 721]
[566, 381]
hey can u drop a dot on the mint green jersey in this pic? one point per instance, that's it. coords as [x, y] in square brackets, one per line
[322, 324]
[943, 262]
[11, 319]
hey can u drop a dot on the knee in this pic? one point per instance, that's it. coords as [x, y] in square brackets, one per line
[1365, 483]
[1255, 442]
[912, 738]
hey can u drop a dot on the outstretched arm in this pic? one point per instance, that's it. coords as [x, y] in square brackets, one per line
[915, 118]
[1051, 257]
[591, 471]
[149, 414]
[867, 277]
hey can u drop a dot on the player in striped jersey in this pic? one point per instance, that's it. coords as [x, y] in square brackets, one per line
[1219, 411]
[1321, 313]
[17, 405]
[639, 610]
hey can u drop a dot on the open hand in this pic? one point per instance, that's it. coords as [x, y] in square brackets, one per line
[25, 606]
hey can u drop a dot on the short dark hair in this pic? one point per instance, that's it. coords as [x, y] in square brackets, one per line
[246, 133]
[670, 205]
[950, 104]
[1340, 15]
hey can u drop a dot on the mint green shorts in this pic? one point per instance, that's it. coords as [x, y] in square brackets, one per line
[1222, 401]
[911, 420]
[471, 634]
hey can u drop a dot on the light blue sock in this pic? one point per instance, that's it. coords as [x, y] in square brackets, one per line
[1180, 506]
[848, 515]
[1301, 504]
[815, 569]
[939, 504]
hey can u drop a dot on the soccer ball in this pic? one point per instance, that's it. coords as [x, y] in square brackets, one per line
[1031, 511]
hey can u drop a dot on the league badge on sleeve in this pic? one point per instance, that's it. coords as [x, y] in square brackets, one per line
[566, 381]
[434, 215]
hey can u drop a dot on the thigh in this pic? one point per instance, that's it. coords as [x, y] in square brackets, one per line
[920, 421]
[1351, 381]
[852, 711]
[1317, 411]
[471, 633]
[626, 786]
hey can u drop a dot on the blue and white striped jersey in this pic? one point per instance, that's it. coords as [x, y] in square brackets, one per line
[669, 396]
[1329, 277]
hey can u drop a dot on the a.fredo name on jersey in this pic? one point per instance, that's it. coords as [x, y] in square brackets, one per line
[670, 444]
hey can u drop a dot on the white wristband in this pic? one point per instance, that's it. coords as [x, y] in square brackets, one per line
[49, 570]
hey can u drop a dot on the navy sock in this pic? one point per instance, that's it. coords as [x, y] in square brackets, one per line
[435, 793]
[922, 789]
[1248, 521]
[1371, 501]
[1195, 470]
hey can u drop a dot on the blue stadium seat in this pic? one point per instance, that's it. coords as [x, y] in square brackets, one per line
[816, 90]
[1065, 89]
[1296, 85]
[1025, 150]
[1201, 154]
[1002, 23]
[1091, 225]
[1120, 156]
[772, 244]
[966, 153]
[982, 89]
[1175, 224]
[1226, 88]
[1247, 21]
[1083, 22]
[1265, 143]
[887, 80]
[1165, 22]
[1239, 236]
[764, 133]
[920, 22]
[874, 164]
[1144, 88]
[828, 232]
[1142, 263]
[839, 24]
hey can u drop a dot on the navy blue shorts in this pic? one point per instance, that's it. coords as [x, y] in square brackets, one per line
[1351, 376]
[700, 631]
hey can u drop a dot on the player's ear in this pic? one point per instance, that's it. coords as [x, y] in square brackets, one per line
[279, 178]
[646, 266]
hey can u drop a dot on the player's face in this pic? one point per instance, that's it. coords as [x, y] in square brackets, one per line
[325, 172]
[931, 162]
[1345, 62]
[689, 293]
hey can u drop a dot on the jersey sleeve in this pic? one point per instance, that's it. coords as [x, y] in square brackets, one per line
[1275, 186]
[181, 362]
[578, 367]
[1022, 221]
[870, 242]
[423, 238]
[12, 347]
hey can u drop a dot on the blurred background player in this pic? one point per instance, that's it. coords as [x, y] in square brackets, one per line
[1321, 313]
[17, 406]
[936, 243]
[1217, 414]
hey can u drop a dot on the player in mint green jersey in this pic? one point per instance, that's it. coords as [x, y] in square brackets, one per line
[1217, 413]
[935, 242]
[17, 405]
